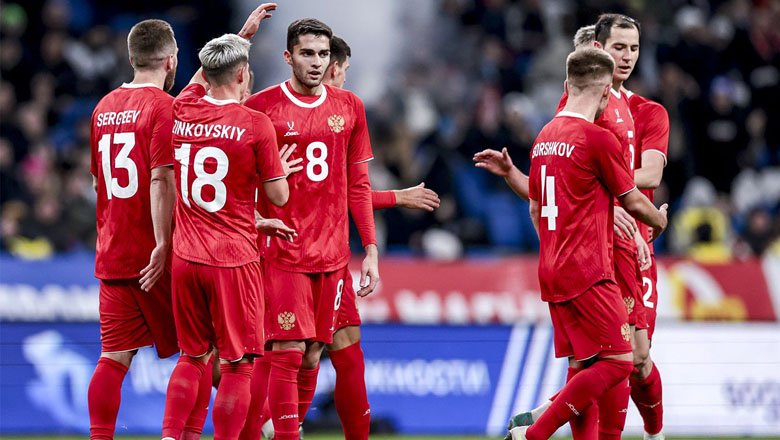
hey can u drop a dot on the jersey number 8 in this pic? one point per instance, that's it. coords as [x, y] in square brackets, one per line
[202, 177]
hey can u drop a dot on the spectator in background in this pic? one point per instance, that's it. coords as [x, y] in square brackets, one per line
[701, 229]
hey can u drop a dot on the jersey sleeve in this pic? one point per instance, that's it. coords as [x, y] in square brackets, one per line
[359, 149]
[255, 102]
[382, 199]
[269, 163]
[610, 164]
[533, 180]
[161, 143]
[655, 134]
[192, 92]
[359, 201]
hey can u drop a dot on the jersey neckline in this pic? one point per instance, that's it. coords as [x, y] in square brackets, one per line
[138, 86]
[300, 103]
[220, 101]
[571, 114]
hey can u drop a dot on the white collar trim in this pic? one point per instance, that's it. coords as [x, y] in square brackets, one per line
[571, 115]
[629, 93]
[138, 86]
[615, 92]
[300, 103]
[220, 101]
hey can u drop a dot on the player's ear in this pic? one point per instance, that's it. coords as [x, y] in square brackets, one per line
[288, 57]
[566, 87]
[597, 44]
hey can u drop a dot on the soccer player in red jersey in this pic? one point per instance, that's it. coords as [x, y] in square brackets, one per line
[652, 131]
[345, 352]
[305, 279]
[224, 151]
[577, 169]
[132, 173]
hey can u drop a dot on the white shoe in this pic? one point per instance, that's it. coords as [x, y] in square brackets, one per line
[518, 433]
[268, 429]
[659, 436]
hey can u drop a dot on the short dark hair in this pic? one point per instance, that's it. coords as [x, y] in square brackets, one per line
[586, 65]
[148, 42]
[608, 21]
[339, 50]
[306, 26]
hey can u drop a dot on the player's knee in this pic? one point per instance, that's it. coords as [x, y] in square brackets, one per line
[123, 357]
[345, 337]
[311, 357]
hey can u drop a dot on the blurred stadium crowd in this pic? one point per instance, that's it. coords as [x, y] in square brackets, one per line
[482, 74]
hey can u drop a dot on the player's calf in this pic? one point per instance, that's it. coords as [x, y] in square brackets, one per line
[104, 393]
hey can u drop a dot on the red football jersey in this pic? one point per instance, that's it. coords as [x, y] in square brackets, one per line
[577, 168]
[617, 119]
[652, 134]
[331, 133]
[130, 135]
[224, 151]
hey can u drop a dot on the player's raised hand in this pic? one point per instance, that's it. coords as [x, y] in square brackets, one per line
[498, 163]
[625, 225]
[655, 232]
[369, 271]
[289, 166]
[274, 227]
[417, 197]
[643, 253]
[156, 267]
[255, 18]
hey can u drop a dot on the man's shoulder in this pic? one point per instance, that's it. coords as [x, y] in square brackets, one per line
[264, 97]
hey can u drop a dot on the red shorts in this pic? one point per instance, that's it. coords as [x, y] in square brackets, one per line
[348, 314]
[218, 307]
[650, 296]
[596, 322]
[131, 318]
[302, 306]
[629, 279]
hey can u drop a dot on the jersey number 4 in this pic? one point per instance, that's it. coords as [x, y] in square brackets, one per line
[549, 208]
[123, 161]
[203, 178]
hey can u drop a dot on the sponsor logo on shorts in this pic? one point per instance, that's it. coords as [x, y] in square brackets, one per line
[286, 320]
[336, 123]
[625, 330]
[629, 303]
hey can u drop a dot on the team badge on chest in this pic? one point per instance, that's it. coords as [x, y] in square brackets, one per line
[336, 123]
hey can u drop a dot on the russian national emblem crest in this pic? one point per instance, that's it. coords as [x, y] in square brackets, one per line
[629, 304]
[286, 320]
[625, 330]
[336, 123]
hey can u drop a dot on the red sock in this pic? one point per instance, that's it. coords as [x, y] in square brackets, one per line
[612, 410]
[266, 416]
[232, 402]
[182, 393]
[578, 394]
[193, 428]
[648, 396]
[584, 427]
[103, 397]
[259, 401]
[307, 384]
[283, 392]
[350, 394]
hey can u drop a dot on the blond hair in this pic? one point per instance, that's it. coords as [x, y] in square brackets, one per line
[221, 56]
[588, 66]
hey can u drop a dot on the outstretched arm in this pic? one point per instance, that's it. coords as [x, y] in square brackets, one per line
[415, 197]
[500, 164]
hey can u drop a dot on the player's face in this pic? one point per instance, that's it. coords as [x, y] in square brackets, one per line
[170, 75]
[336, 75]
[623, 45]
[309, 59]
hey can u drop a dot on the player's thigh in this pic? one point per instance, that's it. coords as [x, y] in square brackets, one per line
[236, 310]
[629, 280]
[344, 337]
[602, 321]
[157, 308]
[289, 304]
[191, 312]
[122, 324]
[650, 296]
[347, 314]
[328, 293]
